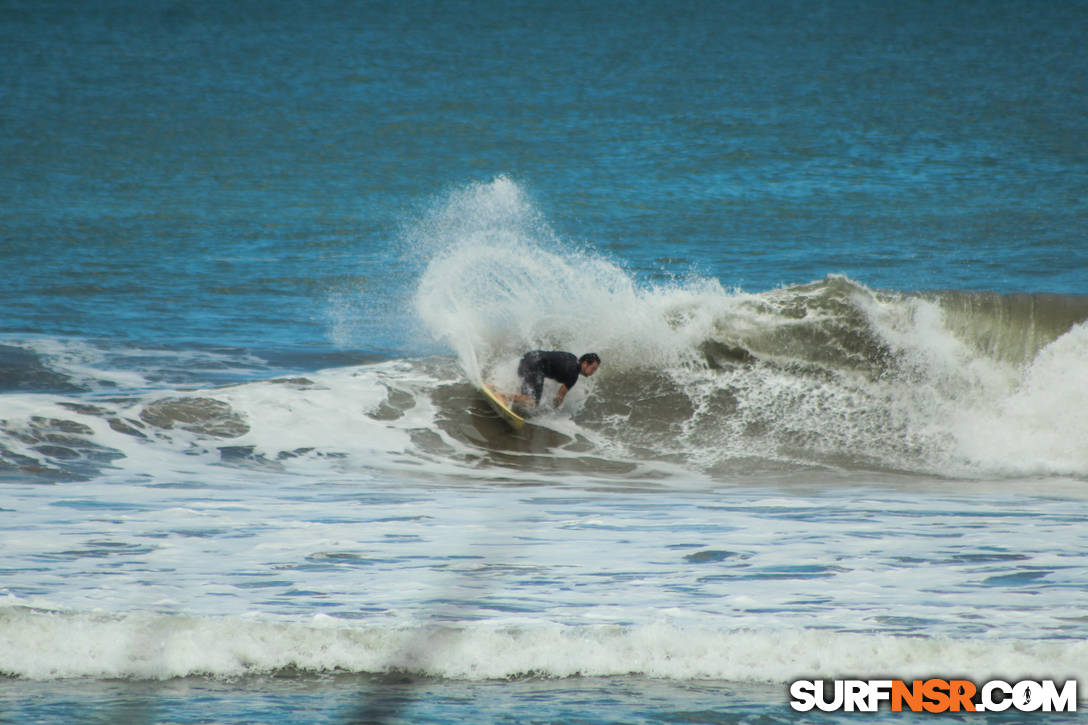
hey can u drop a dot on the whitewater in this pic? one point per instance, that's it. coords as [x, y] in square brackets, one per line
[820, 479]
[256, 260]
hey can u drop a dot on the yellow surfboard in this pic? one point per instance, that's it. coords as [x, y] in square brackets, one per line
[512, 419]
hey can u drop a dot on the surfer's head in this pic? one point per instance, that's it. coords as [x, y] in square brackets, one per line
[589, 363]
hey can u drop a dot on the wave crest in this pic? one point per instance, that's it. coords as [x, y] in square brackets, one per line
[45, 645]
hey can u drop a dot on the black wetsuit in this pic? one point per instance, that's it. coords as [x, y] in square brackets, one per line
[539, 364]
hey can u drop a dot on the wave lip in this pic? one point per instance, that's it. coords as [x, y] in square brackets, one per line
[45, 645]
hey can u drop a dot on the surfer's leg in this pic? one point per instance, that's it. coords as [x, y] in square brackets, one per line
[532, 385]
[532, 379]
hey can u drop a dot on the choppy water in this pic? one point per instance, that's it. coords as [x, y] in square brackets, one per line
[255, 260]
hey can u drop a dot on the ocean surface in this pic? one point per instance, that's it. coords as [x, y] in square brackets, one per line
[257, 257]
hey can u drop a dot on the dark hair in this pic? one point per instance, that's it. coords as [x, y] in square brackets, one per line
[589, 357]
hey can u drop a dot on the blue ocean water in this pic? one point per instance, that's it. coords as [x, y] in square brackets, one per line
[256, 257]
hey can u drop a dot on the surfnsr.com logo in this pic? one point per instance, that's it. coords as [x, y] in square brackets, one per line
[933, 695]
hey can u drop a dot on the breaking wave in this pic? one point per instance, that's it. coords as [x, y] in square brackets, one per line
[40, 644]
[828, 375]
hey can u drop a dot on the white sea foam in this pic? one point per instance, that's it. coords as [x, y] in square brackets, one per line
[49, 645]
[947, 409]
[984, 415]
[1041, 425]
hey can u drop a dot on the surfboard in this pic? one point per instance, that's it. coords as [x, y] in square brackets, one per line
[512, 419]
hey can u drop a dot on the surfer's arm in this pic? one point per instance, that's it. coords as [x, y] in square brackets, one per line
[560, 395]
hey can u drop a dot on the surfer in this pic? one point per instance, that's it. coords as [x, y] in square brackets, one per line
[562, 367]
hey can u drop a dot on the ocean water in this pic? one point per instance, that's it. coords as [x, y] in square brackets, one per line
[255, 259]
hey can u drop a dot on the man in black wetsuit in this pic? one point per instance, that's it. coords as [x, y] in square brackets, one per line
[562, 367]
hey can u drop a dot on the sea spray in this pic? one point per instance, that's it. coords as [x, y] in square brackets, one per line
[829, 373]
[500, 282]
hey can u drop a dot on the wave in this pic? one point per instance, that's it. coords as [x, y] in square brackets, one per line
[830, 373]
[45, 645]
[696, 378]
